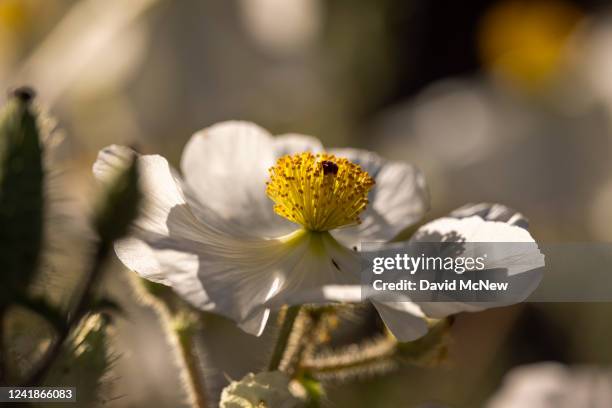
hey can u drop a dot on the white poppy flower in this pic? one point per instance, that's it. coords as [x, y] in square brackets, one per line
[553, 385]
[256, 222]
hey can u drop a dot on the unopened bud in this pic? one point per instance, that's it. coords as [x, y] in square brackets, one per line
[21, 194]
[119, 204]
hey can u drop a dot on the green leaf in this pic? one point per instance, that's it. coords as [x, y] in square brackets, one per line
[314, 390]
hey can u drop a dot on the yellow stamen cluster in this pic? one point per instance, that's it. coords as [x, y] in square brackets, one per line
[320, 192]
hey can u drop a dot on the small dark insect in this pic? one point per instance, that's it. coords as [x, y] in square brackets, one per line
[335, 264]
[329, 167]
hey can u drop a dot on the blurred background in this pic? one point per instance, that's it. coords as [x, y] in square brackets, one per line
[502, 101]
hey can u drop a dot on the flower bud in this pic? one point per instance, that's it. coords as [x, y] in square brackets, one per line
[119, 204]
[21, 194]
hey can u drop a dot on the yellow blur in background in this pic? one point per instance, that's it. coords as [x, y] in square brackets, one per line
[526, 41]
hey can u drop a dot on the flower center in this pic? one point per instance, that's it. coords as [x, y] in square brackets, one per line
[320, 192]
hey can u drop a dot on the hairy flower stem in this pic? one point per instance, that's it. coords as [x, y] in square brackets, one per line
[308, 338]
[180, 326]
[283, 337]
[354, 356]
[192, 373]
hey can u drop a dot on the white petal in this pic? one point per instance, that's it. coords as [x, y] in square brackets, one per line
[404, 319]
[473, 229]
[399, 198]
[524, 260]
[158, 248]
[213, 264]
[226, 166]
[139, 257]
[315, 279]
[324, 272]
[214, 270]
[492, 212]
[159, 183]
[181, 268]
[256, 324]
[209, 269]
[245, 278]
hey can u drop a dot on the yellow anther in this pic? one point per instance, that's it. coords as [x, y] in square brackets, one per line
[320, 192]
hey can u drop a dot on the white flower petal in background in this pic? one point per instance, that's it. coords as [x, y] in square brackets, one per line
[451, 123]
[282, 27]
[591, 55]
[553, 385]
[452, 120]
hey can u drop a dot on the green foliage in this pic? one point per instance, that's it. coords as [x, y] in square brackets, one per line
[314, 390]
[77, 354]
[21, 195]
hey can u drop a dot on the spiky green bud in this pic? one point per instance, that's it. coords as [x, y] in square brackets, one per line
[119, 204]
[21, 194]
